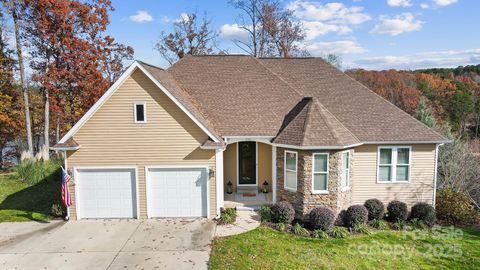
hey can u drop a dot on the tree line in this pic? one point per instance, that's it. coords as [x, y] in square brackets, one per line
[55, 62]
[451, 94]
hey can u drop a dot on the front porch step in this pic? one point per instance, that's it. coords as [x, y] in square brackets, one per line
[248, 208]
[247, 190]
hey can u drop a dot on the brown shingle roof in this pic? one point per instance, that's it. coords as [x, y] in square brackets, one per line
[69, 144]
[365, 114]
[239, 95]
[310, 124]
[244, 96]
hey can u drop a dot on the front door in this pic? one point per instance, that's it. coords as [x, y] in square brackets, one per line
[247, 163]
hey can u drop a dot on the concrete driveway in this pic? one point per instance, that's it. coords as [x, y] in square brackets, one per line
[107, 244]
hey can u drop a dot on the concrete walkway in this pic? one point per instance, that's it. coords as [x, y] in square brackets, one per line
[246, 221]
[107, 244]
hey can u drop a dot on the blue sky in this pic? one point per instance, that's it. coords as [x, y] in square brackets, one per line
[371, 34]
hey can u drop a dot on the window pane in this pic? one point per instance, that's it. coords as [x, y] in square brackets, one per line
[385, 173]
[385, 156]
[140, 112]
[402, 173]
[291, 180]
[403, 155]
[291, 161]
[344, 182]
[346, 160]
[320, 181]
[320, 163]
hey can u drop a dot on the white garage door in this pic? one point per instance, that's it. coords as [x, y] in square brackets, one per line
[106, 193]
[177, 192]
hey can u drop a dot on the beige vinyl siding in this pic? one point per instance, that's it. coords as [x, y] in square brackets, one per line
[264, 164]
[169, 137]
[230, 166]
[364, 176]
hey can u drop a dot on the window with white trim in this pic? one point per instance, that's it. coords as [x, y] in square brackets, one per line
[320, 173]
[140, 112]
[394, 164]
[345, 179]
[290, 179]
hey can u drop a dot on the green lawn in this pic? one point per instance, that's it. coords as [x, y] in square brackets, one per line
[265, 248]
[22, 202]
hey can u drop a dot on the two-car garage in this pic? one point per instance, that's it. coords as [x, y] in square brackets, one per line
[171, 191]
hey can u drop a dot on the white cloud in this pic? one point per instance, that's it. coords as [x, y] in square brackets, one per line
[183, 17]
[451, 58]
[397, 25]
[333, 12]
[314, 29]
[399, 3]
[444, 2]
[141, 16]
[233, 31]
[335, 47]
[424, 5]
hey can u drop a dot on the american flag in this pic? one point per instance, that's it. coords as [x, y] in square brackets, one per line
[67, 201]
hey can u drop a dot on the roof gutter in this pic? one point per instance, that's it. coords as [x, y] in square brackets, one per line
[65, 148]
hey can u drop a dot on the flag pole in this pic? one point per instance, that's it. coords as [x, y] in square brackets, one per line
[66, 169]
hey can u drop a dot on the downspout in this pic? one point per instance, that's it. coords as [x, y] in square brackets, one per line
[435, 174]
[66, 169]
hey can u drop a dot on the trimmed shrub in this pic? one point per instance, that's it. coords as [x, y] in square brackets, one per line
[397, 210]
[322, 218]
[319, 234]
[227, 216]
[375, 208]
[378, 224]
[299, 230]
[339, 232]
[424, 212]
[266, 213]
[283, 212]
[361, 228]
[454, 207]
[356, 214]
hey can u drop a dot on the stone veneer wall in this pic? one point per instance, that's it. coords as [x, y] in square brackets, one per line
[303, 200]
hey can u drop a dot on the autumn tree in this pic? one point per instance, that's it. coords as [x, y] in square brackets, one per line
[190, 35]
[70, 55]
[16, 9]
[395, 86]
[250, 20]
[10, 108]
[271, 29]
[284, 33]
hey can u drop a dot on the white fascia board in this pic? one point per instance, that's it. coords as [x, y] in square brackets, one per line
[315, 147]
[357, 144]
[114, 88]
[65, 148]
[407, 142]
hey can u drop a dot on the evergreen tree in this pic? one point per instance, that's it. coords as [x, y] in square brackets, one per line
[425, 114]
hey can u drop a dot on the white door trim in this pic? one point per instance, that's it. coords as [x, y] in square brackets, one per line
[77, 193]
[148, 167]
[256, 167]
